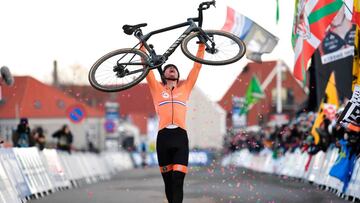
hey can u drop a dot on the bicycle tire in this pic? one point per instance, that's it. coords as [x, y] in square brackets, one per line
[94, 81]
[232, 40]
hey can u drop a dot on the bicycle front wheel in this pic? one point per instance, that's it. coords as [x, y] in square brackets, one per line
[119, 70]
[227, 48]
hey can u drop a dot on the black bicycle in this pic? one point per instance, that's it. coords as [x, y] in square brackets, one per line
[124, 68]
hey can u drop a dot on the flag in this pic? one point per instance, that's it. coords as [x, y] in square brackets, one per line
[238, 113]
[335, 54]
[253, 93]
[277, 11]
[356, 60]
[350, 116]
[331, 97]
[258, 40]
[356, 13]
[344, 165]
[336, 44]
[312, 19]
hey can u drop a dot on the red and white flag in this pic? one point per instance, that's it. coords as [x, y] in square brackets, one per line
[311, 21]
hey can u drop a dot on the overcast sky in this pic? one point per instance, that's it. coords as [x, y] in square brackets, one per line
[78, 32]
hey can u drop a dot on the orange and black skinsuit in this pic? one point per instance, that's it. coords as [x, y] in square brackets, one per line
[172, 143]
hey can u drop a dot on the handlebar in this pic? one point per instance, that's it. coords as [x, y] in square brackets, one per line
[205, 5]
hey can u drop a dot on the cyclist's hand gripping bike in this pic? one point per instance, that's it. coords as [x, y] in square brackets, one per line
[124, 68]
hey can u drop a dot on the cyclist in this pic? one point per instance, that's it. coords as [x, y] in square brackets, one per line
[172, 145]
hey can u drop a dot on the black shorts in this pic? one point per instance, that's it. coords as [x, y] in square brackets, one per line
[172, 147]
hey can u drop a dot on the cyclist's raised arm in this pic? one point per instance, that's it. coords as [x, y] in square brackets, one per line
[150, 77]
[192, 77]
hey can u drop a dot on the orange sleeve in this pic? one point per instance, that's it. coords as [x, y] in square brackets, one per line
[151, 80]
[193, 75]
[150, 77]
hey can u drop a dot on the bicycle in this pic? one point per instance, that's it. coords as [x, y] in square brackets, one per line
[123, 68]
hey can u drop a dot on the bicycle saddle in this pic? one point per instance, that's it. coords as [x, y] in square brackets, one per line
[129, 29]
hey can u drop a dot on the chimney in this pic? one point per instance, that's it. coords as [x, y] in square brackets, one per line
[55, 75]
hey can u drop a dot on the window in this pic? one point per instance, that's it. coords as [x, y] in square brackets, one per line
[274, 94]
[37, 104]
[60, 104]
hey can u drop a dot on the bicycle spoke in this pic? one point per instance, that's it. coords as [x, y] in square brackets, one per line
[227, 48]
[118, 70]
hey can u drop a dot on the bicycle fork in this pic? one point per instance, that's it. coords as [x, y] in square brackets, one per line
[204, 38]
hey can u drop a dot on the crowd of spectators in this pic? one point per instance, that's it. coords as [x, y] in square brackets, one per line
[23, 136]
[297, 134]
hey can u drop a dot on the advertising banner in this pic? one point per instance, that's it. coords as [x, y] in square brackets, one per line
[13, 170]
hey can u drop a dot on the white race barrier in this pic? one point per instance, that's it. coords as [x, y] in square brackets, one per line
[294, 164]
[13, 171]
[55, 168]
[68, 166]
[96, 166]
[300, 163]
[268, 164]
[286, 164]
[77, 171]
[330, 181]
[317, 165]
[33, 169]
[27, 173]
[354, 184]
[325, 168]
[8, 192]
[118, 161]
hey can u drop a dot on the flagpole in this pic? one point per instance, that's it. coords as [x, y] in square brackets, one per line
[278, 87]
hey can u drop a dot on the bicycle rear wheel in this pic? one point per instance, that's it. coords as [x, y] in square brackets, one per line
[228, 48]
[119, 70]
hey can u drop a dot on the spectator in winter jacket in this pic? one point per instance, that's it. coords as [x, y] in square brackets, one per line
[22, 136]
[65, 138]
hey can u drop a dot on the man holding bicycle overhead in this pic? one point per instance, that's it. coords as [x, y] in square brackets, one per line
[172, 144]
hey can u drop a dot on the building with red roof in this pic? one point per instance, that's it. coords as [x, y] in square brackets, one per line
[50, 108]
[205, 118]
[293, 95]
[135, 103]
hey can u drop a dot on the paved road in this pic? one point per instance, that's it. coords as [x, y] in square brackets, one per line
[202, 185]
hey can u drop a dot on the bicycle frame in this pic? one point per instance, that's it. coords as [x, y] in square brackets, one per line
[143, 38]
[125, 67]
[157, 60]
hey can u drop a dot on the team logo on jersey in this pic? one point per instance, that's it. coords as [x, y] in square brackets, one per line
[165, 95]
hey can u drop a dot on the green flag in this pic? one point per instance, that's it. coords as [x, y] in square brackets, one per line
[254, 92]
[277, 11]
